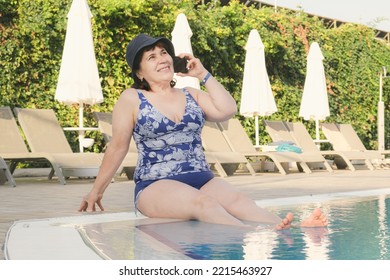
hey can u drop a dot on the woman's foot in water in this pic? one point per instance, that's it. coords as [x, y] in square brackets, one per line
[316, 219]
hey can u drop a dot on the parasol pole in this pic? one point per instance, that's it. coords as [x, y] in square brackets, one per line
[81, 126]
[381, 112]
[317, 130]
[257, 130]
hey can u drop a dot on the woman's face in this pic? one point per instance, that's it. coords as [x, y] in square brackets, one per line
[156, 65]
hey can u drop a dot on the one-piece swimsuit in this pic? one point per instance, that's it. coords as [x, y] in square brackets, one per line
[169, 150]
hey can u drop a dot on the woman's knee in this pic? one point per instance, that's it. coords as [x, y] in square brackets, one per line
[205, 203]
[236, 198]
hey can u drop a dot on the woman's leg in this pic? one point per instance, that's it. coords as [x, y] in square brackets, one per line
[244, 208]
[238, 204]
[173, 199]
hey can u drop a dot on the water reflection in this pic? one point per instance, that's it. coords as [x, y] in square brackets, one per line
[357, 230]
[383, 234]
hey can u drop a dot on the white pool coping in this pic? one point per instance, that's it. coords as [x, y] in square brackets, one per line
[308, 199]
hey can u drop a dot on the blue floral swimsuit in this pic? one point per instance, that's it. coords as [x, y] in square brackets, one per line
[169, 150]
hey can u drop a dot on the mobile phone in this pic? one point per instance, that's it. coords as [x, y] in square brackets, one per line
[180, 64]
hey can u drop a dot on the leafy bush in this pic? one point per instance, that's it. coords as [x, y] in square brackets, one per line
[33, 32]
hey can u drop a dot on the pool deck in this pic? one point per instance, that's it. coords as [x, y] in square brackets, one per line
[36, 197]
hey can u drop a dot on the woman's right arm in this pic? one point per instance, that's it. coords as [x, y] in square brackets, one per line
[123, 119]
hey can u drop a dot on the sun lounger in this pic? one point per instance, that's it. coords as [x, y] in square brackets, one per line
[354, 141]
[129, 163]
[350, 147]
[104, 121]
[47, 142]
[5, 174]
[215, 145]
[12, 145]
[239, 141]
[280, 131]
[342, 158]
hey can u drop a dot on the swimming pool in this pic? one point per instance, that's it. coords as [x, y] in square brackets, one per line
[358, 230]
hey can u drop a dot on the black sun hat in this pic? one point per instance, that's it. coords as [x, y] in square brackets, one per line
[141, 41]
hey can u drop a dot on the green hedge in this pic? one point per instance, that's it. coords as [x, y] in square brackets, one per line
[33, 32]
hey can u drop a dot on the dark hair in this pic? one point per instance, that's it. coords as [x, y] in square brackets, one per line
[143, 84]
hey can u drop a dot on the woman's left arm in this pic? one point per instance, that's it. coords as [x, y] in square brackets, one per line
[216, 102]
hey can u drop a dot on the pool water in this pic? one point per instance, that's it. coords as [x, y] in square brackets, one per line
[358, 230]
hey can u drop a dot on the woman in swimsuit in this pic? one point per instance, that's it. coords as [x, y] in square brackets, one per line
[172, 177]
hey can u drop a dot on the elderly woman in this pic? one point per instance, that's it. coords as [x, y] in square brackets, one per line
[172, 177]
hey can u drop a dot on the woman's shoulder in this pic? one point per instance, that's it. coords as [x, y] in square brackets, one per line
[130, 92]
[194, 92]
[129, 96]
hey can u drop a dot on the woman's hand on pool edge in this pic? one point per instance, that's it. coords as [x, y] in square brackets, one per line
[88, 204]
